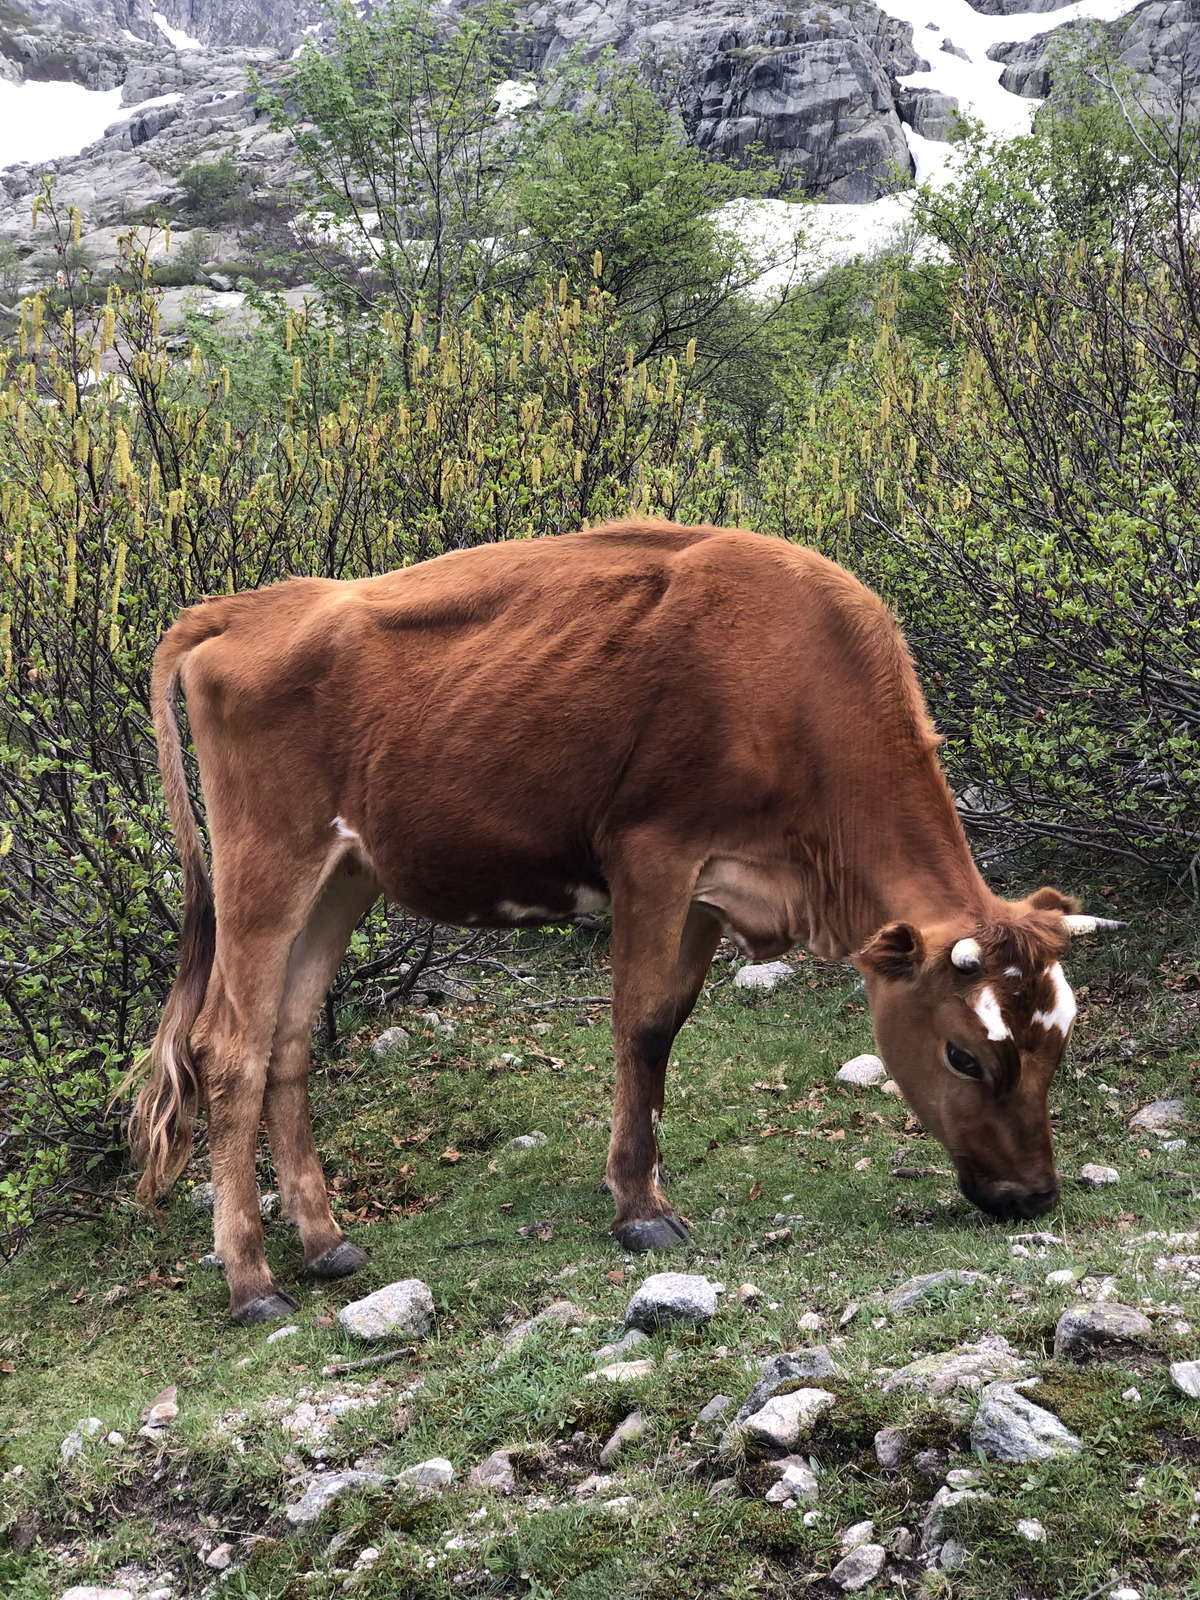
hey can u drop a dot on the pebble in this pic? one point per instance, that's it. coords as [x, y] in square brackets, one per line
[528, 1141]
[622, 1372]
[889, 1447]
[211, 1263]
[402, 1310]
[630, 1341]
[991, 1358]
[953, 1554]
[902, 1542]
[1185, 1375]
[90, 1591]
[203, 1197]
[890, 1086]
[561, 1313]
[220, 1558]
[749, 1294]
[85, 1428]
[1174, 1145]
[723, 1489]
[786, 1368]
[1082, 1329]
[436, 1473]
[283, 1333]
[115, 1439]
[796, 1481]
[810, 1322]
[1160, 1116]
[909, 1294]
[766, 975]
[1063, 1275]
[628, 1432]
[861, 1567]
[862, 1071]
[1009, 1427]
[1094, 1177]
[1133, 1396]
[323, 1491]
[1030, 1528]
[933, 1531]
[667, 1298]
[787, 1418]
[715, 1407]
[495, 1472]
[1113, 1594]
[858, 1533]
[621, 1507]
[388, 1042]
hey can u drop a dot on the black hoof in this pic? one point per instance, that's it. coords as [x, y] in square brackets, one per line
[267, 1308]
[661, 1233]
[339, 1262]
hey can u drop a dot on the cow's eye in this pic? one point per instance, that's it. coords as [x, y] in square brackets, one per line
[962, 1062]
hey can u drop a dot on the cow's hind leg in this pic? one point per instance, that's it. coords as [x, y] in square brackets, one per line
[662, 947]
[312, 966]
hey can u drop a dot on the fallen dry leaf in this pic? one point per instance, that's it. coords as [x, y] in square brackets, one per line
[756, 1190]
[74, 1299]
[8, 1366]
[451, 1156]
[117, 1292]
[615, 1277]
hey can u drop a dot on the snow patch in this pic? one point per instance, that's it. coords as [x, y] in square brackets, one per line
[46, 121]
[179, 39]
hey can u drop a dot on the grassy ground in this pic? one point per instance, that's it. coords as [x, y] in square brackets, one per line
[96, 1320]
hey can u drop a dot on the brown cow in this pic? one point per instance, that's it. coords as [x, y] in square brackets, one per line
[713, 731]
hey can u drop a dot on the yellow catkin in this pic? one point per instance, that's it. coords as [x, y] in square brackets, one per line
[69, 587]
[6, 645]
[114, 630]
[597, 265]
[297, 370]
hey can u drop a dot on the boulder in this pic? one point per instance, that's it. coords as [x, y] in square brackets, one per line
[786, 1419]
[1009, 1427]
[911, 1293]
[402, 1310]
[862, 1072]
[666, 1299]
[1082, 1330]
[968, 1366]
[391, 1039]
[436, 1473]
[324, 1490]
[786, 1368]
[1185, 1375]
[767, 975]
[861, 1567]
[495, 1473]
[1160, 1116]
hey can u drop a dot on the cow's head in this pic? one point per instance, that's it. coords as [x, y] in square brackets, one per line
[973, 1022]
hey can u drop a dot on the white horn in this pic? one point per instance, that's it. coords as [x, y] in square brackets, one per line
[967, 955]
[1092, 924]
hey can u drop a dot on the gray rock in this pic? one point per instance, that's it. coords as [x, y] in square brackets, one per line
[862, 1071]
[951, 49]
[666, 1299]
[1160, 1116]
[211, 1263]
[324, 1490]
[85, 1428]
[1015, 8]
[953, 1554]
[795, 1481]
[436, 1473]
[930, 1463]
[527, 1141]
[203, 1198]
[220, 1559]
[786, 1419]
[495, 1473]
[1009, 1427]
[933, 1531]
[559, 1315]
[619, 1347]
[861, 1567]
[391, 1039]
[787, 1368]
[723, 1489]
[767, 975]
[1185, 1375]
[1097, 1177]
[283, 1333]
[92, 1591]
[402, 1310]
[890, 1444]
[968, 1366]
[858, 1533]
[909, 1294]
[629, 1431]
[1082, 1330]
[716, 1407]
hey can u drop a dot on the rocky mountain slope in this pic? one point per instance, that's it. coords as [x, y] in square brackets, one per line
[819, 86]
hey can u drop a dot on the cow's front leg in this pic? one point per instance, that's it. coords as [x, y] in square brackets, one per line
[662, 947]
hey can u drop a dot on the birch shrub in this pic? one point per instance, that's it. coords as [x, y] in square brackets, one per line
[136, 478]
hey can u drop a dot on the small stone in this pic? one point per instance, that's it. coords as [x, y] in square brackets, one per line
[1063, 1275]
[85, 1428]
[715, 1407]
[786, 1368]
[890, 1086]
[858, 1533]
[810, 1322]
[1160, 1116]
[1030, 1528]
[542, 1029]
[220, 1558]
[203, 1197]
[962, 1478]
[766, 975]
[268, 1206]
[622, 1372]
[402, 1310]
[594, 1484]
[1113, 1594]
[324, 1490]
[991, 1358]
[909, 1294]
[748, 1293]
[1185, 1375]
[861, 1567]
[862, 1071]
[388, 1042]
[1174, 1145]
[930, 1463]
[933, 1531]
[1133, 1396]
[528, 1141]
[282, 1333]
[723, 1489]
[889, 1447]
[211, 1263]
[1083, 1329]
[1009, 1427]
[628, 1432]
[628, 1341]
[795, 1481]
[787, 1418]
[667, 1298]
[560, 1314]
[91, 1591]
[436, 1473]
[719, 1214]
[494, 1473]
[117, 1440]
[953, 1554]
[1094, 1177]
[902, 1542]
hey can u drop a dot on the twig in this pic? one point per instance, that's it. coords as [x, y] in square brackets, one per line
[336, 1368]
[564, 1000]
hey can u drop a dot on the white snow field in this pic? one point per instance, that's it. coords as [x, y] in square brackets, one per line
[41, 121]
[838, 233]
[179, 39]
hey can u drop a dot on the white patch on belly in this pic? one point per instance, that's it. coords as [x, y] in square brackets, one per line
[590, 900]
[343, 832]
[512, 912]
[987, 1009]
[1063, 1014]
[1012, 972]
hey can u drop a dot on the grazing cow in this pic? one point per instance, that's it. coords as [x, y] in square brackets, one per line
[712, 731]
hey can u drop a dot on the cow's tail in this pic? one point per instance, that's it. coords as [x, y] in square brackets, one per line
[161, 1124]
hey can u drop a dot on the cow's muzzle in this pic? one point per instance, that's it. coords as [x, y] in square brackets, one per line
[1007, 1200]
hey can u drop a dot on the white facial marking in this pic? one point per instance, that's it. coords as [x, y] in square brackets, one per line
[343, 832]
[987, 1009]
[1063, 1014]
[512, 912]
[1012, 972]
[590, 900]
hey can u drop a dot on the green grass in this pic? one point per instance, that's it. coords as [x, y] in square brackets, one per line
[97, 1318]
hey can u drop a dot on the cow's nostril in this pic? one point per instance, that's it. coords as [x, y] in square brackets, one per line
[1005, 1200]
[1038, 1201]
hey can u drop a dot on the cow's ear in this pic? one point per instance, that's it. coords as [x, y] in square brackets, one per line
[1050, 900]
[896, 951]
